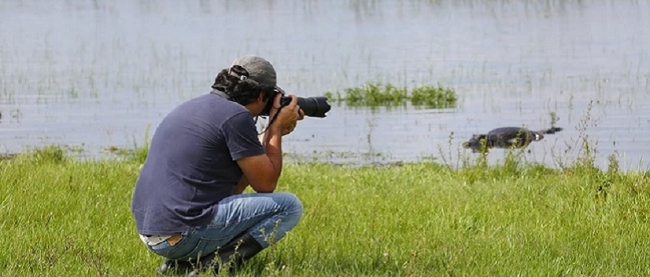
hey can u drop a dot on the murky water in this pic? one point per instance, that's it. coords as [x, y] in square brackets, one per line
[96, 74]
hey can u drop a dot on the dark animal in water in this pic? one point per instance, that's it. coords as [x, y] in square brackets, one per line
[507, 137]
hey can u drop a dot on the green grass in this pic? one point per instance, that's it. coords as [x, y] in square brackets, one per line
[376, 94]
[433, 97]
[65, 217]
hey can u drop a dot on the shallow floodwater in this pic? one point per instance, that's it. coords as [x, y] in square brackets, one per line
[91, 75]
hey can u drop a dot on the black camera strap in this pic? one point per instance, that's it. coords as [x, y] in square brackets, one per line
[275, 115]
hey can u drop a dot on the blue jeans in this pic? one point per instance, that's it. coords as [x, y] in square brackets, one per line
[266, 216]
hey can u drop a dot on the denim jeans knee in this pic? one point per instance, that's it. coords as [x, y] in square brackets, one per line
[287, 213]
[266, 216]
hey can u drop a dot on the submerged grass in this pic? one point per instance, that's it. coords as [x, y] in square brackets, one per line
[65, 217]
[433, 97]
[376, 94]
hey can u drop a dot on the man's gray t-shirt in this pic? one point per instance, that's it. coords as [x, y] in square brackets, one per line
[191, 164]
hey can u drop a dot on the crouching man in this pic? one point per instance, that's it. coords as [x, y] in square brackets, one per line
[188, 203]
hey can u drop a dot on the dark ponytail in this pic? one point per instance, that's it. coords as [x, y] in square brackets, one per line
[236, 84]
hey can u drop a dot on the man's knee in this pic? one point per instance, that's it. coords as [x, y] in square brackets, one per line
[292, 203]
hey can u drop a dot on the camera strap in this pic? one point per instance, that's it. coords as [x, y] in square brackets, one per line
[272, 119]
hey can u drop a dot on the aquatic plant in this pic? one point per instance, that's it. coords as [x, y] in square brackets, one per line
[374, 94]
[377, 94]
[433, 97]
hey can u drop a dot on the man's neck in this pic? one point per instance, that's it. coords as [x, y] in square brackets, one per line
[220, 94]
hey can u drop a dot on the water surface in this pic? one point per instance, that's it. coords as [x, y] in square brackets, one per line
[97, 74]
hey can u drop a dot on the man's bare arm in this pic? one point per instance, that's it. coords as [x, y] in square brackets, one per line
[263, 171]
[241, 185]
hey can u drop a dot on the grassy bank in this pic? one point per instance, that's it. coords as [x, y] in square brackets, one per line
[62, 217]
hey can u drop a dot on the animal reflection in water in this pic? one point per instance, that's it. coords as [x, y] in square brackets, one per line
[507, 137]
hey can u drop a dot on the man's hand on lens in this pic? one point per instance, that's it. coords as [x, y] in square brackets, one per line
[288, 116]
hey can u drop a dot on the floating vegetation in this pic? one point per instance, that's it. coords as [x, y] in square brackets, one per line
[375, 94]
[433, 97]
[371, 94]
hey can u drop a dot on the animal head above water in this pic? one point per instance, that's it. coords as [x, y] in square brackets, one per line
[476, 141]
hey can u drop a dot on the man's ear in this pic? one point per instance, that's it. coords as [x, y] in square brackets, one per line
[260, 98]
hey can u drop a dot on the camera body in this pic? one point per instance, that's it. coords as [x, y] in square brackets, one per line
[311, 106]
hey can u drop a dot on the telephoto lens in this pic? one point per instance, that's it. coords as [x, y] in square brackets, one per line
[311, 106]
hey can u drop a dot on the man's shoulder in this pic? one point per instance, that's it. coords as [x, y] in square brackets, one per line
[211, 104]
[220, 103]
[217, 111]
